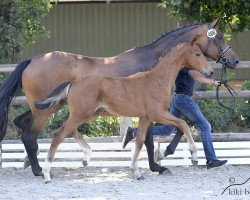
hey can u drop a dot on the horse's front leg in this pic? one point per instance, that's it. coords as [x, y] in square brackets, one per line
[149, 143]
[85, 147]
[168, 118]
[142, 129]
[173, 144]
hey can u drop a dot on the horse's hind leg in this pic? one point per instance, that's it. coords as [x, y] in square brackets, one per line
[85, 147]
[31, 124]
[142, 129]
[23, 121]
[29, 139]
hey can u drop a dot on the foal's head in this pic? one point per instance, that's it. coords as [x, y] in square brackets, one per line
[195, 59]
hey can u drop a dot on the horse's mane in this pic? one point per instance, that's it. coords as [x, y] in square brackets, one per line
[167, 33]
[179, 45]
[170, 50]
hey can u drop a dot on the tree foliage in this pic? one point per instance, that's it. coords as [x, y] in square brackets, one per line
[235, 14]
[20, 25]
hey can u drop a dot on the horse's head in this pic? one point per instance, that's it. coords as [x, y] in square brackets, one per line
[214, 45]
[195, 59]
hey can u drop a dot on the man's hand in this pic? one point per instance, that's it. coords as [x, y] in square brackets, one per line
[216, 83]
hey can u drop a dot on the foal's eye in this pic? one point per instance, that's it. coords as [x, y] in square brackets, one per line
[198, 54]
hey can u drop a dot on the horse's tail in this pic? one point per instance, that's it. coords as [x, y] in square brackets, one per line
[10, 87]
[55, 97]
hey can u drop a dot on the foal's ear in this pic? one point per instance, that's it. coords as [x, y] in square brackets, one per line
[192, 42]
[216, 23]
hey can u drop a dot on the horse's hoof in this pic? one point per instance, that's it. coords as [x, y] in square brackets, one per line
[140, 178]
[194, 162]
[85, 163]
[165, 170]
[37, 172]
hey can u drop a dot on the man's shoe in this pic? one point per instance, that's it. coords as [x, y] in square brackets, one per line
[128, 137]
[215, 163]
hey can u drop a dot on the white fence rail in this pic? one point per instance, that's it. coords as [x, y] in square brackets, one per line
[111, 154]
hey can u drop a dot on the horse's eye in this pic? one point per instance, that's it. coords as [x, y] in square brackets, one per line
[220, 37]
[198, 54]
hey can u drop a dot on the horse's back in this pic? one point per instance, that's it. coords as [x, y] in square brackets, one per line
[52, 69]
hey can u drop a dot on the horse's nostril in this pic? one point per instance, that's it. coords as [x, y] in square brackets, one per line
[211, 74]
[237, 62]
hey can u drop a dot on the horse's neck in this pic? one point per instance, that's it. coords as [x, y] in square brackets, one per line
[171, 39]
[145, 58]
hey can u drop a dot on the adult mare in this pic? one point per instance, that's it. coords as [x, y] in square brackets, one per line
[39, 75]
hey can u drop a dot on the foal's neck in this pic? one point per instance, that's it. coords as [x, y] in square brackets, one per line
[169, 65]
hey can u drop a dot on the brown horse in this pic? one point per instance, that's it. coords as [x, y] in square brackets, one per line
[145, 95]
[40, 75]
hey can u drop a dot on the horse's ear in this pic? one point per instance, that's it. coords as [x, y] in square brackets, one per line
[195, 38]
[216, 23]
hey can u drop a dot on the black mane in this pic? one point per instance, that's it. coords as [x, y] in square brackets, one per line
[168, 32]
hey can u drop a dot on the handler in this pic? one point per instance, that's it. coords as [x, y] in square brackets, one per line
[184, 105]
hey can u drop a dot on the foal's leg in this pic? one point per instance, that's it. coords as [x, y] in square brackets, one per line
[168, 118]
[68, 127]
[142, 129]
[85, 147]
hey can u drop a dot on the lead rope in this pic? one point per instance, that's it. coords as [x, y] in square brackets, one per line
[224, 82]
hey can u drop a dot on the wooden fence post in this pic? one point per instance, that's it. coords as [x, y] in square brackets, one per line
[125, 122]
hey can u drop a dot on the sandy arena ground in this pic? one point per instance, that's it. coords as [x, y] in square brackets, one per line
[119, 183]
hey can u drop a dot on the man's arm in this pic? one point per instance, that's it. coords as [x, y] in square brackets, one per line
[197, 76]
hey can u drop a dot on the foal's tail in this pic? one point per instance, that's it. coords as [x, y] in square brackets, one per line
[56, 97]
[10, 87]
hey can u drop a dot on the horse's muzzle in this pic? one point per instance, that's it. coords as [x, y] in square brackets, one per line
[208, 73]
[232, 63]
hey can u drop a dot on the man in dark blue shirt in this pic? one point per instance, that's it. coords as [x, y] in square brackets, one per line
[184, 105]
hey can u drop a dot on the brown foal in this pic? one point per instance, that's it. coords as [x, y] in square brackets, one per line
[145, 95]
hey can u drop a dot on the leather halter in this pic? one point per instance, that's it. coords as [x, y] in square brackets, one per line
[223, 60]
[222, 53]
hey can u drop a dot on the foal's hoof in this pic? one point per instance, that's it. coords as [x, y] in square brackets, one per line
[85, 163]
[47, 181]
[194, 162]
